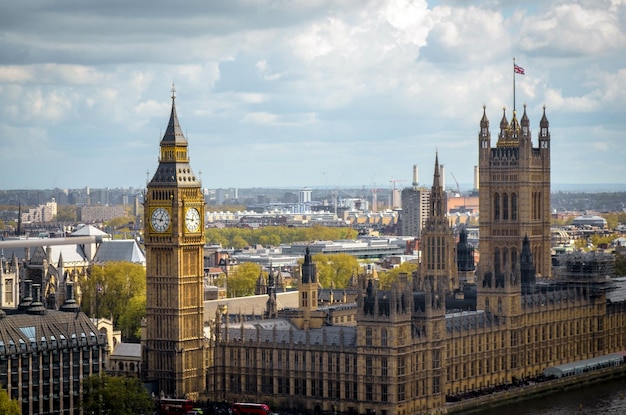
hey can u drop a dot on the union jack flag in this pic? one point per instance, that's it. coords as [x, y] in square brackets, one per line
[518, 69]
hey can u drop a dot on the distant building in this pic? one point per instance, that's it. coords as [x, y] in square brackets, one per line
[592, 221]
[415, 203]
[90, 214]
[42, 213]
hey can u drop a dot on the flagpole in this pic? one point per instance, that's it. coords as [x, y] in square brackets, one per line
[513, 85]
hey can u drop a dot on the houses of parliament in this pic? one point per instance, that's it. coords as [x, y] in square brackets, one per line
[447, 329]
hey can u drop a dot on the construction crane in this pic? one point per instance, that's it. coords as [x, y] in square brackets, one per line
[458, 189]
[394, 181]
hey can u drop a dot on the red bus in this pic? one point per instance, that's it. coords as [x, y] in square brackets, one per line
[174, 406]
[243, 408]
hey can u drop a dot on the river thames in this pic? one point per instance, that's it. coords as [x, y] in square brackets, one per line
[599, 399]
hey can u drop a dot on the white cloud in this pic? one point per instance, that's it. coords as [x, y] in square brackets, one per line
[572, 29]
[376, 83]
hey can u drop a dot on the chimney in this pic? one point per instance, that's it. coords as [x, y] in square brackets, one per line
[476, 181]
[442, 175]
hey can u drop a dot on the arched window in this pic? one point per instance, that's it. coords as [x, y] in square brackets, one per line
[499, 305]
[383, 337]
[505, 206]
[368, 336]
[496, 206]
[513, 258]
[538, 205]
[513, 206]
[496, 261]
[505, 259]
[120, 366]
[132, 367]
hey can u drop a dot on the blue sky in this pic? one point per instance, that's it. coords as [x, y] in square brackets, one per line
[281, 93]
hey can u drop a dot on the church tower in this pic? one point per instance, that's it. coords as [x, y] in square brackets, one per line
[174, 346]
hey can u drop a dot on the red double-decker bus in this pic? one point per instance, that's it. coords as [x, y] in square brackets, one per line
[174, 406]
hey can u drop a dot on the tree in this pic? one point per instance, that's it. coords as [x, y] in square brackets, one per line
[275, 235]
[103, 394]
[335, 268]
[8, 406]
[242, 280]
[387, 278]
[108, 291]
[598, 240]
[130, 320]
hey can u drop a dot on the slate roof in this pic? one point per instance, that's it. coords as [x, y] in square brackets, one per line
[52, 329]
[127, 350]
[119, 250]
[282, 331]
[254, 304]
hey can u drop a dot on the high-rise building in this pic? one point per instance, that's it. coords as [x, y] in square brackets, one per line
[415, 203]
[174, 346]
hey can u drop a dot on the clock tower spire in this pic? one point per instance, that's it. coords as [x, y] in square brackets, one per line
[174, 345]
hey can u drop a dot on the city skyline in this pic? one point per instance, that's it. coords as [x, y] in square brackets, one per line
[319, 93]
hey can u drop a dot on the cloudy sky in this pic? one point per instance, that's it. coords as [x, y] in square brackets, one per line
[286, 93]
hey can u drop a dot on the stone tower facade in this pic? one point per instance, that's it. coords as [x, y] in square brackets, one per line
[514, 196]
[307, 288]
[174, 345]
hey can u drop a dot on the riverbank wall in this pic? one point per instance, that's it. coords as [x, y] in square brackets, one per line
[480, 403]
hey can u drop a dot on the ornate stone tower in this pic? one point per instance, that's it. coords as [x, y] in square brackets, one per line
[308, 288]
[514, 203]
[438, 245]
[514, 195]
[174, 347]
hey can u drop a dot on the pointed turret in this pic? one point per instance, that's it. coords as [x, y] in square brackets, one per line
[173, 133]
[464, 253]
[174, 168]
[544, 120]
[438, 204]
[504, 123]
[260, 286]
[484, 121]
[525, 122]
[308, 269]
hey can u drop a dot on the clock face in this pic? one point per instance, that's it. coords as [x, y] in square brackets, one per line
[192, 220]
[160, 219]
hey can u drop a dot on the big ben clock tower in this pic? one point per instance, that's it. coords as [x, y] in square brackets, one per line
[174, 346]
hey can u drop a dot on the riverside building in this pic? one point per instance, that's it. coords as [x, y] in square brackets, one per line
[419, 345]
